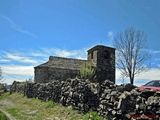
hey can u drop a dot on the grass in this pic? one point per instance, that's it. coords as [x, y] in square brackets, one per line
[91, 115]
[3, 116]
[3, 95]
[50, 104]
[23, 108]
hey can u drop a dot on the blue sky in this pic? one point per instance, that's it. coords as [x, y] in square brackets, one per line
[33, 30]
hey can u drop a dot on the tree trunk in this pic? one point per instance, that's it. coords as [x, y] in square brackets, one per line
[132, 80]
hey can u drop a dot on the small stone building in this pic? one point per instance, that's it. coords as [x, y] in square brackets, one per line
[102, 58]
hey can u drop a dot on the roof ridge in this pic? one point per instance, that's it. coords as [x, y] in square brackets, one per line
[50, 58]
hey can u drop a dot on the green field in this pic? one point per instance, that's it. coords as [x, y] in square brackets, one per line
[23, 108]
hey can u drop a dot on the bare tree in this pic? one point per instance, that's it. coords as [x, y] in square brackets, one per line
[132, 53]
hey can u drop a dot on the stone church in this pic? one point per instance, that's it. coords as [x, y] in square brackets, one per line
[102, 59]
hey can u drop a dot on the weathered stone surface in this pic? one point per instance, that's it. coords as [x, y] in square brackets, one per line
[3, 87]
[102, 59]
[84, 95]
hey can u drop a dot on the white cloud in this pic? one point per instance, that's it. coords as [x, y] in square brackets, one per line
[18, 70]
[4, 60]
[155, 51]
[110, 34]
[20, 58]
[152, 74]
[18, 27]
[34, 58]
[64, 53]
[14, 62]
[78, 54]
[10, 79]
[37, 54]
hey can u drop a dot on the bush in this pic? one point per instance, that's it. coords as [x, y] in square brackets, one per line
[91, 115]
[87, 71]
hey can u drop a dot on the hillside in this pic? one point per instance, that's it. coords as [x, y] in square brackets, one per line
[22, 108]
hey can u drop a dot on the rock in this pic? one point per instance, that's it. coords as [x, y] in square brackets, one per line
[129, 87]
[109, 100]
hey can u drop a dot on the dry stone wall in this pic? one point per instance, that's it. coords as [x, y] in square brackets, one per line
[109, 100]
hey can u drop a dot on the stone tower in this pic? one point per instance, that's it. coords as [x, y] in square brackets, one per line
[103, 60]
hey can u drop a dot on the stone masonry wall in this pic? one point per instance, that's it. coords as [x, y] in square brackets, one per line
[109, 100]
[48, 74]
[106, 64]
[58, 68]
[103, 59]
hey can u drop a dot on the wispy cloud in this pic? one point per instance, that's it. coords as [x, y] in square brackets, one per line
[36, 54]
[79, 54]
[18, 69]
[110, 34]
[19, 65]
[39, 56]
[4, 60]
[18, 27]
[155, 51]
[19, 58]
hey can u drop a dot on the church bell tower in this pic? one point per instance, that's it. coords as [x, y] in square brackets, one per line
[102, 59]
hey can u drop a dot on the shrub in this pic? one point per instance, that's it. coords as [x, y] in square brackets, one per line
[87, 71]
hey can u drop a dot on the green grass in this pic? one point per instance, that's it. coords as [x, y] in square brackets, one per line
[13, 111]
[91, 115]
[50, 104]
[3, 95]
[3, 116]
[23, 108]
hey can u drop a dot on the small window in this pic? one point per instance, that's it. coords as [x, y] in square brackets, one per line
[106, 54]
[92, 55]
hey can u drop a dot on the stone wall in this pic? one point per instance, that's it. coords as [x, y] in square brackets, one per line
[57, 68]
[109, 100]
[103, 59]
[2, 88]
[44, 75]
